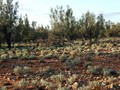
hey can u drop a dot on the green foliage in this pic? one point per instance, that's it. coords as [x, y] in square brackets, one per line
[21, 71]
[72, 79]
[26, 69]
[32, 56]
[4, 57]
[46, 84]
[86, 64]
[34, 83]
[70, 64]
[49, 56]
[63, 58]
[109, 72]
[89, 57]
[41, 59]
[3, 88]
[22, 84]
[18, 71]
[64, 27]
[96, 70]
[8, 17]
[42, 32]
[47, 72]
[57, 78]
[63, 88]
[95, 85]
[62, 22]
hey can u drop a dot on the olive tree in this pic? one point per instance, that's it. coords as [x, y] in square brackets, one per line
[8, 17]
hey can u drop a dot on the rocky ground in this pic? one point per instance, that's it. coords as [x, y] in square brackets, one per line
[9, 79]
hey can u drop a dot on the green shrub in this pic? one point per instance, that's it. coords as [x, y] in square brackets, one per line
[70, 64]
[49, 56]
[86, 64]
[19, 55]
[4, 57]
[13, 57]
[3, 88]
[26, 69]
[63, 58]
[47, 72]
[93, 85]
[42, 59]
[76, 61]
[34, 83]
[89, 57]
[21, 71]
[32, 56]
[22, 84]
[46, 84]
[96, 70]
[63, 88]
[57, 78]
[109, 72]
[72, 78]
[18, 70]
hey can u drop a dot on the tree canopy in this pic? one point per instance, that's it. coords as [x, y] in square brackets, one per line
[16, 28]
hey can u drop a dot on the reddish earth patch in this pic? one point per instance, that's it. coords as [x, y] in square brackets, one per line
[9, 79]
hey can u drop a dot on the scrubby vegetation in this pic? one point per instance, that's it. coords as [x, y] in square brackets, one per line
[74, 66]
[74, 54]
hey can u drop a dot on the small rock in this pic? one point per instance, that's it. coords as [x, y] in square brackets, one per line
[111, 86]
[97, 78]
[105, 83]
[75, 86]
[8, 78]
[4, 77]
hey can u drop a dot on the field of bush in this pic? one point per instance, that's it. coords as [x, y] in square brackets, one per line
[75, 66]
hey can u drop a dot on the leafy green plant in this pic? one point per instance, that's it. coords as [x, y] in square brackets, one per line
[84, 88]
[32, 56]
[46, 84]
[18, 70]
[89, 57]
[70, 64]
[96, 70]
[49, 56]
[22, 84]
[76, 61]
[63, 88]
[4, 57]
[41, 59]
[26, 69]
[34, 83]
[47, 72]
[109, 72]
[57, 78]
[93, 85]
[63, 58]
[86, 64]
[3, 88]
[72, 78]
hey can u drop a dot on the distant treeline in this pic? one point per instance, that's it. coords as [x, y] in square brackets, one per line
[64, 26]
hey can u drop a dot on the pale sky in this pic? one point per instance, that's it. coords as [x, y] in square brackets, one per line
[39, 10]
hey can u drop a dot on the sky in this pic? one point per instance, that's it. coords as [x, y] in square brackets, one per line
[39, 10]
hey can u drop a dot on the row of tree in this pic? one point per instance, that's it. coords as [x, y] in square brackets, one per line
[17, 29]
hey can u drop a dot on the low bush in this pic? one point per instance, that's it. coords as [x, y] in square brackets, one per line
[96, 70]
[86, 64]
